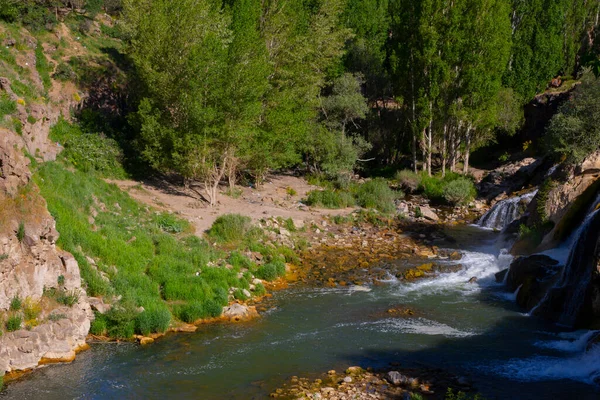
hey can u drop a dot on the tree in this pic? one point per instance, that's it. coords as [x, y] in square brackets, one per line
[574, 132]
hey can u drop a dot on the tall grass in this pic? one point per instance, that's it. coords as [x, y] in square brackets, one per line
[156, 266]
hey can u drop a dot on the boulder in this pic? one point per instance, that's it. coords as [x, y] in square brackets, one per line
[396, 378]
[428, 213]
[239, 312]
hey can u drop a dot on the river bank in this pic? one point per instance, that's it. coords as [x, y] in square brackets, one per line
[473, 331]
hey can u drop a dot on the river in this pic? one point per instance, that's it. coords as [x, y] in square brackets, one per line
[472, 330]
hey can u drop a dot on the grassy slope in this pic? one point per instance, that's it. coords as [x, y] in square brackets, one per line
[129, 254]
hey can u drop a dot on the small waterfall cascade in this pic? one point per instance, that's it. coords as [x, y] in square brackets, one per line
[505, 211]
[566, 298]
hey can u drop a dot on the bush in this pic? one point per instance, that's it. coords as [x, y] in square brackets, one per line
[329, 199]
[14, 323]
[408, 180]
[574, 132]
[64, 72]
[230, 228]
[376, 194]
[16, 303]
[432, 187]
[21, 231]
[199, 310]
[170, 223]
[459, 191]
[153, 319]
[68, 298]
[89, 152]
[7, 106]
[271, 271]
[99, 326]
[31, 309]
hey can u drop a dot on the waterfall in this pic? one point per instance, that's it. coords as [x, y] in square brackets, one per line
[505, 211]
[566, 298]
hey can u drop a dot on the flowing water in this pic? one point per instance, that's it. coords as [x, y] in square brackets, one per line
[472, 330]
[505, 211]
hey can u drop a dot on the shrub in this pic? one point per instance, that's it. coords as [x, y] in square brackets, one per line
[31, 309]
[41, 64]
[170, 223]
[230, 228]
[7, 106]
[198, 310]
[376, 194]
[239, 295]
[16, 303]
[329, 199]
[68, 298]
[64, 72]
[432, 187]
[271, 271]
[408, 180]
[154, 319]
[459, 191]
[259, 289]
[14, 323]
[99, 326]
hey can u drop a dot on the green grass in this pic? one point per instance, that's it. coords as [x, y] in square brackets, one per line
[16, 303]
[377, 194]
[89, 152]
[271, 271]
[157, 268]
[7, 106]
[21, 231]
[13, 323]
[329, 199]
[230, 229]
[42, 66]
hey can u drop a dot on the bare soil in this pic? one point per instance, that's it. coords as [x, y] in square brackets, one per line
[272, 199]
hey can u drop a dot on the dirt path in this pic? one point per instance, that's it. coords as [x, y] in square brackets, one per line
[270, 200]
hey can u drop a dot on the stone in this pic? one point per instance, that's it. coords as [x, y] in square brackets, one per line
[355, 370]
[500, 276]
[396, 378]
[247, 293]
[146, 340]
[428, 213]
[239, 312]
[455, 256]
[98, 304]
[534, 275]
[472, 280]
[348, 379]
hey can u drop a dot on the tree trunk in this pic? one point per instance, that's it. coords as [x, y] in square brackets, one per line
[444, 152]
[424, 148]
[429, 147]
[467, 150]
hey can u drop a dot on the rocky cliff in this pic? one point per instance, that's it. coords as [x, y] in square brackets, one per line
[44, 311]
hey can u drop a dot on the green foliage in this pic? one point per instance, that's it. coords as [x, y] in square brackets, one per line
[198, 310]
[153, 319]
[64, 72]
[41, 64]
[329, 199]
[7, 106]
[151, 267]
[99, 326]
[459, 191]
[171, 224]
[13, 323]
[21, 231]
[409, 180]
[377, 194]
[230, 228]
[31, 309]
[60, 280]
[450, 395]
[89, 152]
[16, 303]
[271, 271]
[574, 132]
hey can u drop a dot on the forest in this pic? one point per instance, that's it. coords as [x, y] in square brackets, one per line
[217, 90]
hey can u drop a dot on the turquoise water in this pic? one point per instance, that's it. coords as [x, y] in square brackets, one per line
[472, 330]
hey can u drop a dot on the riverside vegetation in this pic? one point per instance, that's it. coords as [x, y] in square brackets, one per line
[401, 92]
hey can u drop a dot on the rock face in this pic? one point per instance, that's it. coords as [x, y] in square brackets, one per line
[31, 263]
[533, 276]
